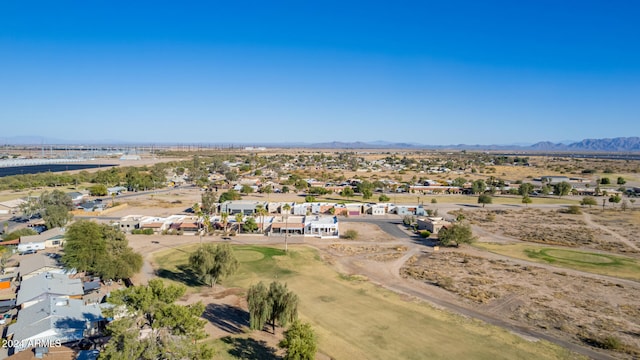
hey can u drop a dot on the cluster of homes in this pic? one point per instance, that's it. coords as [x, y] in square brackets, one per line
[51, 306]
[315, 219]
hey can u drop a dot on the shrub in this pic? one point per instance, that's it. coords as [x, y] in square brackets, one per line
[573, 209]
[434, 201]
[383, 198]
[350, 234]
[425, 233]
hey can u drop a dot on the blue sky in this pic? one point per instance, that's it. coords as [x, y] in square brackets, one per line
[476, 72]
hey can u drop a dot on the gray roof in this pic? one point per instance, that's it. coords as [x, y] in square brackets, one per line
[35, 262]
[44, 236]
[48, 283]
[53, 319]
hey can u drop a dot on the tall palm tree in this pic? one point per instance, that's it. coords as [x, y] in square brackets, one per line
[239, 218]
[225, 219]
[285, 209]
[261, 211]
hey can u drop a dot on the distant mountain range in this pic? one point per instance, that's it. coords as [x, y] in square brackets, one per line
[619, 144]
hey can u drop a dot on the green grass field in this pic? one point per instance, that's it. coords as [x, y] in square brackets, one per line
[597, 263]
[358, 320]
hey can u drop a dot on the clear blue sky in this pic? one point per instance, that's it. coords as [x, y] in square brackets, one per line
[441, 72]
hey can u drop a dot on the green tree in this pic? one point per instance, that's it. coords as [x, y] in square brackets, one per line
[280, 306]
[347, 192]
[621, 180]
[300, 342]
[309, 198]
[459, 182]
[229, 196]
[54, 207]
[98, 190]
[246, 189]
[561, 189]
[605, 181]
[172, 330]
[213, 262]
[478, 187]
[525, 189]
[56, 216]
[484, 199]
[101, 250]
[526, 200]
[459, 233]
[208, 200]
[588, 200]
[615, 199]
[383, 198]
[18, 233]
[260, 306]
[250, 225]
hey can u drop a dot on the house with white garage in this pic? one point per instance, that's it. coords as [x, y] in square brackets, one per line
[321, 226]
[53, 238]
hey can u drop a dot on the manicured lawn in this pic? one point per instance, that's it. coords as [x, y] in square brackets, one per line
[597, 263]
[356, 319]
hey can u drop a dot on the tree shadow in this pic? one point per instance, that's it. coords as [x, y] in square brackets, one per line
[250, 349]
[227, 318]
[184, 274]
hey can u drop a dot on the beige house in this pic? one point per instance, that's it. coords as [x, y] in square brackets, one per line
[432, 224]
[53, 238]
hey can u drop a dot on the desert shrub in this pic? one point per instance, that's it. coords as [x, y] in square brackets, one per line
[425, 233]
[142, 231]
[573, 209]
[350, 234]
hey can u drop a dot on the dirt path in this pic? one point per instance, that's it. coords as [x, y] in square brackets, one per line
[622, 239]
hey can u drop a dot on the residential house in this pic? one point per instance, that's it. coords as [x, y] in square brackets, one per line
[354, 209]
[403, 210]
[157, 224]
[55, 320]
[11, 206]
[552, 180]
[76, 197]
[376, 209]
[321, 226]
[37, 264]
[37, 288]
[90, 206]
[130, 222]
[245, 207]
[116, 190]
[290, 224]
[432, 224]
[52, 238]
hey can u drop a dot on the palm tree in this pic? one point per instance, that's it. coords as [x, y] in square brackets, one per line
[224, 216]
[260, 210]
[286, 209]
[239, 218]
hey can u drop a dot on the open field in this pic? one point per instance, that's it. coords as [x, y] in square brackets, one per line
[356, 319]
[550, 227]
[597, 263]
[590, 310]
